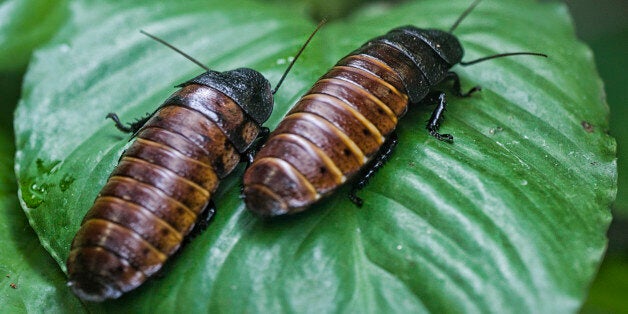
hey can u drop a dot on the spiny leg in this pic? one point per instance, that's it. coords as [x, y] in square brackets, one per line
[133, 126]
[453, 76]
[377, 163]
[250, 153]
[203, 220]
[433, 124]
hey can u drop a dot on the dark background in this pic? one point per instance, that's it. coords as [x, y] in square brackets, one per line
[603, 25]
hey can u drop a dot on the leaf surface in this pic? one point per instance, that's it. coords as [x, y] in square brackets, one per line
[510, 217]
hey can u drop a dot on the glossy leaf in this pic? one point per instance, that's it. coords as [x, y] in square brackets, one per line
[30, 280]
[510, 217]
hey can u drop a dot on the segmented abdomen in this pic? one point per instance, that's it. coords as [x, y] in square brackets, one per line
[329, 135]
[153, 198]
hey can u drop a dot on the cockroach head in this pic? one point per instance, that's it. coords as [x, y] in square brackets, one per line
[247, 87]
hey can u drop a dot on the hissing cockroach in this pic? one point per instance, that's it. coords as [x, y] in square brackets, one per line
[344, 125]
[165, 180]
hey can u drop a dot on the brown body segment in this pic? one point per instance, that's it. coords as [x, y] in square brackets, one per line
[153, 198]
[361, 100]
[310, 161]
[402, 66]
[105, 273]
[344, 117]
[179, 216]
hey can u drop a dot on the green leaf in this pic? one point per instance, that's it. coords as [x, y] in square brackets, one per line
[510, 217]
[24, 25]
[30, 280]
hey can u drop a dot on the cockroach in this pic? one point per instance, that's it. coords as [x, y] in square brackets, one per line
[343, 128]
[164, 181]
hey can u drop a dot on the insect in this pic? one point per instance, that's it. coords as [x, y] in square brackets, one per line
[164, 181]
[343, 128]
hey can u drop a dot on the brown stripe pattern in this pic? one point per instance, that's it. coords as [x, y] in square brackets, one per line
[342, 122]
[153, 198]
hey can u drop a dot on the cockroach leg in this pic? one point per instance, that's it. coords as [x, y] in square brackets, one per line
[433, 124]
[453, 76]
[203, 220]
[377, 163]
[132, 127]
[249, 154]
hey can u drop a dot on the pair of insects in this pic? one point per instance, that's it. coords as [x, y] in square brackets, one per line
[343, 128]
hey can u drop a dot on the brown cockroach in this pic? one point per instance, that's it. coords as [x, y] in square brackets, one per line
[343, 128]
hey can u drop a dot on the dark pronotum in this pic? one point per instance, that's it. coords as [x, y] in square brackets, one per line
[165, 180]
[345, 124]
